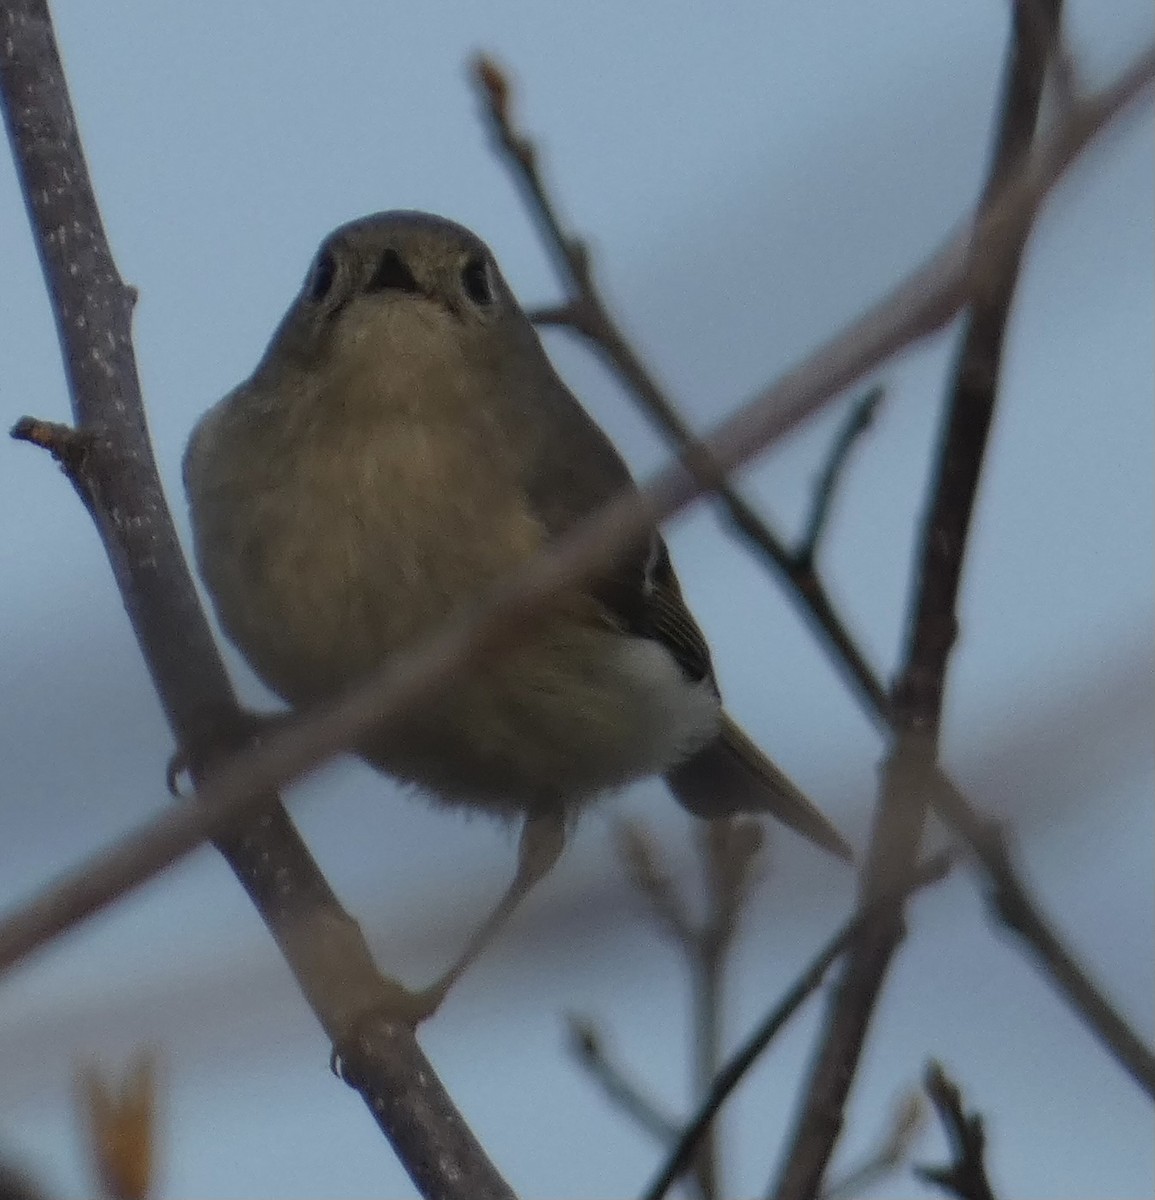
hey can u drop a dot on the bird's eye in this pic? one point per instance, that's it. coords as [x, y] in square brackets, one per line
[476, 281]
[321, 276]
[392, 275]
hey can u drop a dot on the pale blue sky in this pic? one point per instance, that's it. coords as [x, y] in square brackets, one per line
[749, 177]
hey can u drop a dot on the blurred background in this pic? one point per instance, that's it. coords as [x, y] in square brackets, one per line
[748, 179]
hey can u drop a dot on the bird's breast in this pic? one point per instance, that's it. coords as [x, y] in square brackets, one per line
[329, 556]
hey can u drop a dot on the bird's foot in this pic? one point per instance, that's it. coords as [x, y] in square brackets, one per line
[236, 730]
[397, 1005]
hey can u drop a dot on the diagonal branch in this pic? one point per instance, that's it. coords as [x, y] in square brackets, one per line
[585, 312]
[921, 304]
[117, 477]
[588, 1047]
[857, 423]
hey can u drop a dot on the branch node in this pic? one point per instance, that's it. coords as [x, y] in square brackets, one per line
[965, 1176]
[67, 445]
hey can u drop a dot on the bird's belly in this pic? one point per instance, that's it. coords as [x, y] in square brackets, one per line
[550, 723]
[319, 596]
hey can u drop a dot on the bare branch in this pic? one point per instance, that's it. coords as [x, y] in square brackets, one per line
[1041, 22]
[116, 475]
[921, 304]
[651, 880]
[585, 312]
[752, 1049]
[966, 1176]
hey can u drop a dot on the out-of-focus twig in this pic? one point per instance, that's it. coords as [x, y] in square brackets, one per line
[966, 1175]
[585, 312]
[751, 1050]
[921, 304]
[856, 424]
[16, 1184]
[729, 851]
[646, 872]
[906, 1123]
[588, 1047]
[121, 1126]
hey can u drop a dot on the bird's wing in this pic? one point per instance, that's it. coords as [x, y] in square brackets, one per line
[574, 472]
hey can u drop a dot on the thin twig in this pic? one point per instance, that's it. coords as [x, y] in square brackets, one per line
[116, 476]
[588, 1047]
[918, 693]
[648, 875]
[585, 312]
[729, 851]
[752, 1049]
[856, 424]
[966, 1176]
[924, 302]
[1017, 912]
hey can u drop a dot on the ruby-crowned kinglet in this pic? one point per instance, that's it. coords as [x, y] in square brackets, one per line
[403, 444]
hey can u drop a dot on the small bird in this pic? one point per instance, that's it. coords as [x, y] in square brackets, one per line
[403, 444]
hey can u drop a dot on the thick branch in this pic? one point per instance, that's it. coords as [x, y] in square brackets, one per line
[117, 475]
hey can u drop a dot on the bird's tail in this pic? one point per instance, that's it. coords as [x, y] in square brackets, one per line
[731, 775]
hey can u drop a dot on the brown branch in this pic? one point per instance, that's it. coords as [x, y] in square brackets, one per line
[110, 461]
[966, 1176]
[924, 302]
[585, 312]
[910, 769]
[752, 1049]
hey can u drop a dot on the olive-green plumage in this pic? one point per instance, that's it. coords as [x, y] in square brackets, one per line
[403, 444]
